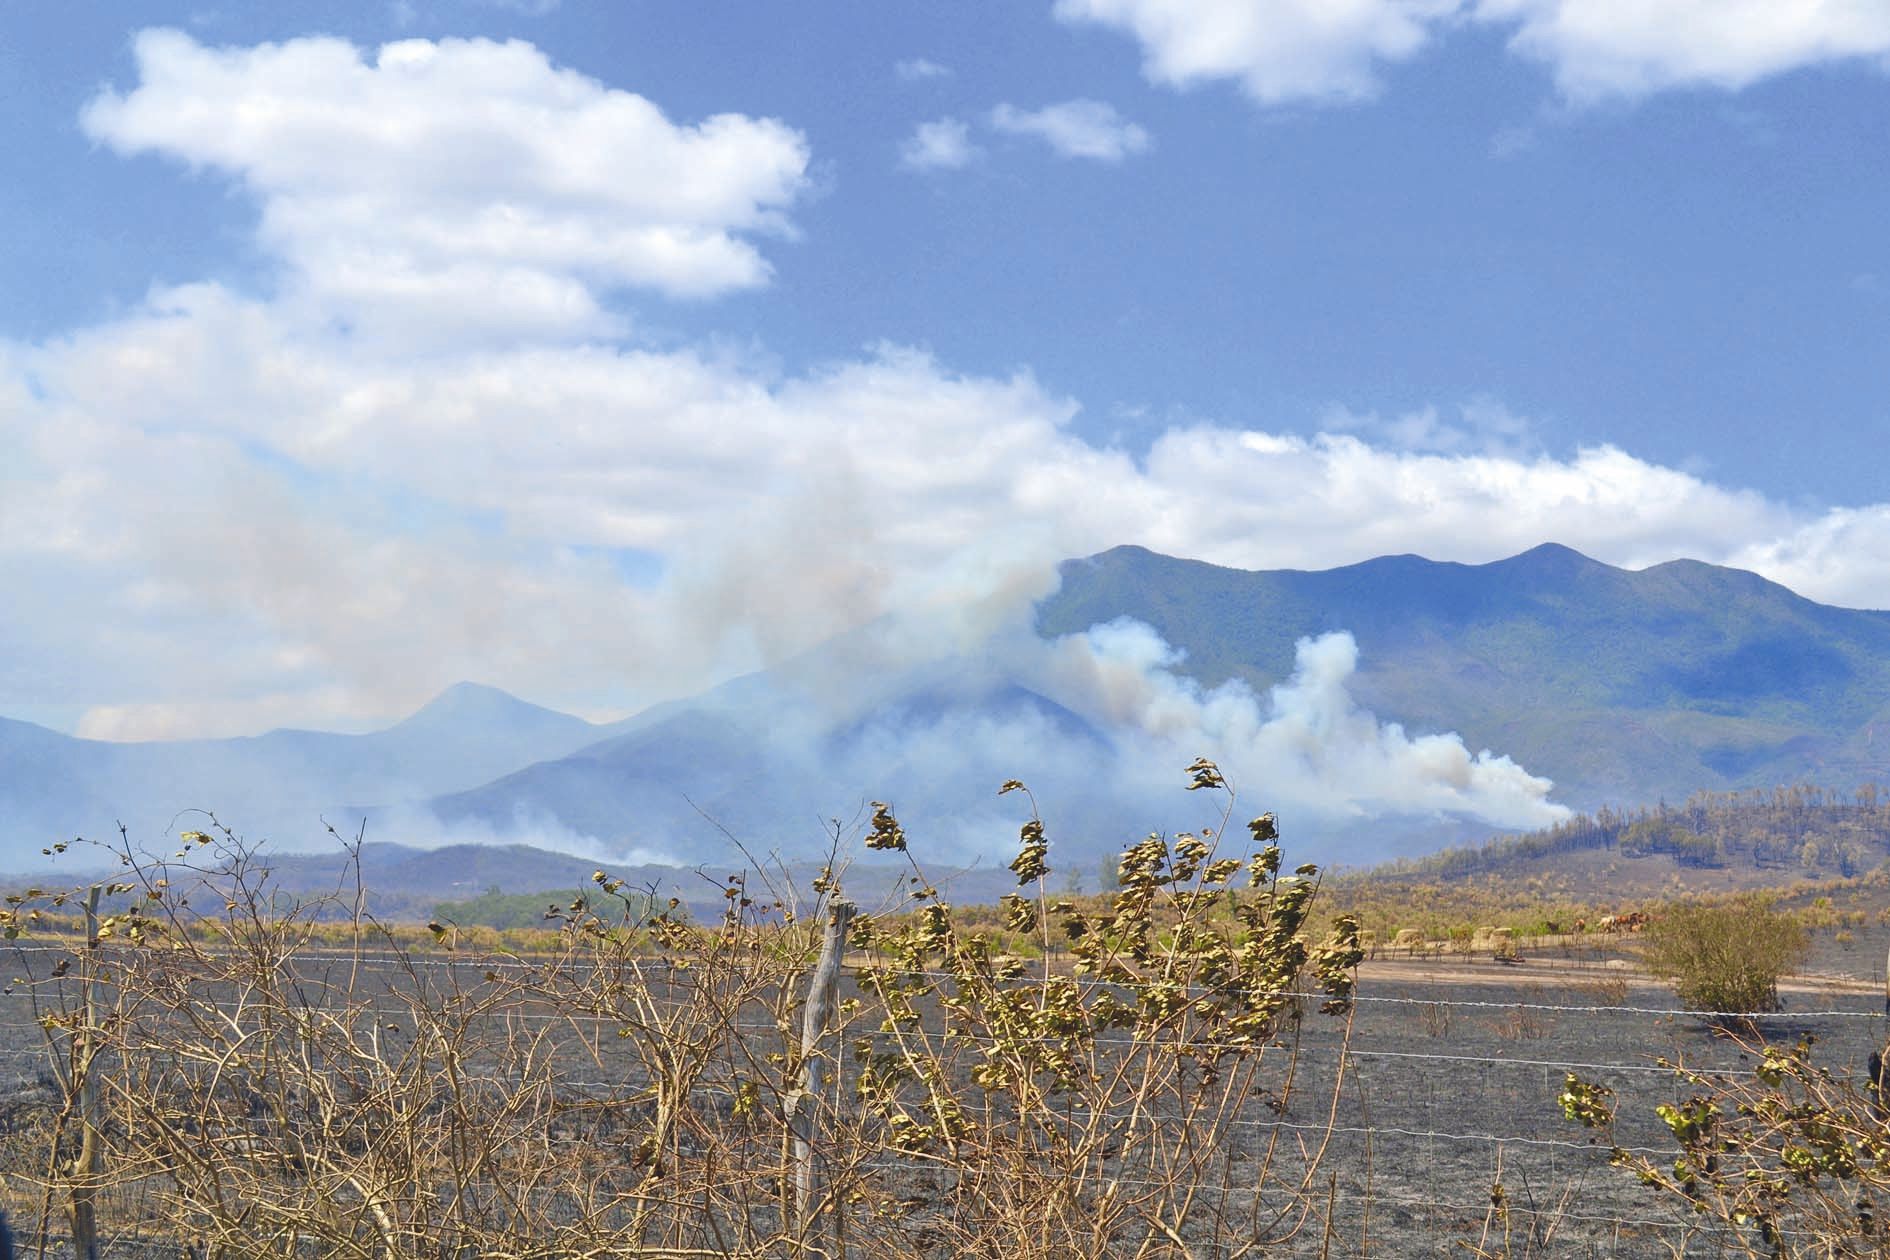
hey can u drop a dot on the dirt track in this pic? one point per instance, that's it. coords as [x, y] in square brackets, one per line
[1460, 969]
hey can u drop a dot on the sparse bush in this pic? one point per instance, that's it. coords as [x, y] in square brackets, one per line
[1605, 990]
[1520, 1024]
[1789, 1158]
[507, 911]
[1726, 958]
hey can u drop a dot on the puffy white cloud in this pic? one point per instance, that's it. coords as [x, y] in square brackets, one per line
[1253, 499]
[1629, 48]
[1841, 556]
[1277, 50]
[944, 144]
[1283, 51]
[463, 179]
[227, 507]
[1079, 128]
[918, 69]
[256, 506]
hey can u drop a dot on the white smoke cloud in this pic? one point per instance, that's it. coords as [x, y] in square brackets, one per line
[1307, 746]
[417, 827]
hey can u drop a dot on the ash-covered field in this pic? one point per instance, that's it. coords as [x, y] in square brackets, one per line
[1403, 1129]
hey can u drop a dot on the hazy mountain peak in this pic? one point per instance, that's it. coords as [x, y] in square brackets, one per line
[482, 704]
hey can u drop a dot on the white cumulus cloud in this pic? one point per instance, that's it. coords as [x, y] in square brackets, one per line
[1287, 51]
[1276, 50]
[944, 144]
[918, 69]
[463, 180]
[1630, 48]
[1079, 128]
[227, 507]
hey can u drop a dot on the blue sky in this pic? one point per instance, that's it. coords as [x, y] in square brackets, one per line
[343, 355]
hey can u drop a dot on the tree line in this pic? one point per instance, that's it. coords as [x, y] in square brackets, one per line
[1799, 827]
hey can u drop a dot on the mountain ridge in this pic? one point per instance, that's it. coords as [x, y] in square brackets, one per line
[1624, 686]
[1555, 654]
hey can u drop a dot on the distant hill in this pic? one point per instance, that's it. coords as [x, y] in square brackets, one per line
[402, 883]
[1622, 686]
[1735, 839]
[405, 883]
[54, 786]
[677, 787]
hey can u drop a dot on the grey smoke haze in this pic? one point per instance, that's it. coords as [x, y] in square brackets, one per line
[933, 708]
[930, 687]
[416, 826]
[1306, 744]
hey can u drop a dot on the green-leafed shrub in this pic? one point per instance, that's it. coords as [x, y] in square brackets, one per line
[1726, 958]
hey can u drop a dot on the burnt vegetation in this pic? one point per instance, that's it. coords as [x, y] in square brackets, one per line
[1784, 830]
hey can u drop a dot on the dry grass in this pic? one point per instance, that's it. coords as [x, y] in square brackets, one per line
[259, 1087]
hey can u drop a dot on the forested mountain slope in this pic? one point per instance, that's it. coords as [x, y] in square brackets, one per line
[1623, 686]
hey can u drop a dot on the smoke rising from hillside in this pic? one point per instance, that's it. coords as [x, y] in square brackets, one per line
[419, 827]
[1306, 745]
[931, 711]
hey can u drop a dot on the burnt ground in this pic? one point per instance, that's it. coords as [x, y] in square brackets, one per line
[1446, 1078]
[1456, 1074]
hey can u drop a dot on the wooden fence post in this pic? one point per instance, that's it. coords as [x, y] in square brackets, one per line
[817, 1223]
[1878, 1067]
[83, 1189]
